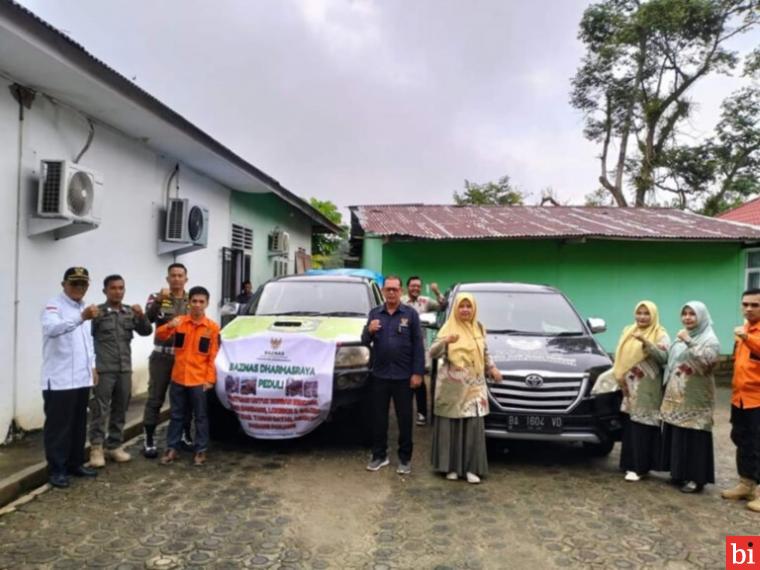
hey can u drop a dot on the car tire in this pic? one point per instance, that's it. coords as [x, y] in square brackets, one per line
[602, 449]
[223, 423]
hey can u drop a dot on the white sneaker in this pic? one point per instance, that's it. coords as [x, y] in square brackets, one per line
[452, 476]
[631, 476]
[472, 478]
[421, 420]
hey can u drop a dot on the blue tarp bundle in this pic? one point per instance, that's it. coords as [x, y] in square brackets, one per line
[378, 278]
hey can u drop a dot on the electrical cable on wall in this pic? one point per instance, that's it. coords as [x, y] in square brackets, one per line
[87, 144]
[175, 173]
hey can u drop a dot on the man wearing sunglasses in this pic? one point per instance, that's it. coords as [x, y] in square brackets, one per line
[68, 373]
[745, 403]
[398, 364]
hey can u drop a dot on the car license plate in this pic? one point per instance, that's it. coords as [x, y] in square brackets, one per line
[534, 423]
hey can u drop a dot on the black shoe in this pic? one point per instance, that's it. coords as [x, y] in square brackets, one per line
[59, 480]
[692, 487]
[150, 452]
[83, 471]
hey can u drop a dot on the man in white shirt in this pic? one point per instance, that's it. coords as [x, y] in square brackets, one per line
[68, 373]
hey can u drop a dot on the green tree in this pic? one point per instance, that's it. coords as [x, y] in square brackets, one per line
[722, 172]
[326, 248]
[641, 59]
[500, 193]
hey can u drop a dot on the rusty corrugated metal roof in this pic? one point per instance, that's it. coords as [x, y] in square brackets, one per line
[748, 213]
[495, 222]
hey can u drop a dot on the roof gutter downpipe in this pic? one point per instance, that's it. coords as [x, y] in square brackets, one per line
[24, 97]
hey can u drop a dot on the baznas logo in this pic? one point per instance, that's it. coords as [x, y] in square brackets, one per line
[275, 342]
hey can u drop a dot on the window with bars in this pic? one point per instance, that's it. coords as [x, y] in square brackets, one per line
[752, 273]
[280, 267]
[236, 262]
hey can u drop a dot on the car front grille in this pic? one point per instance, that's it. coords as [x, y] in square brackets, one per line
[538, 391]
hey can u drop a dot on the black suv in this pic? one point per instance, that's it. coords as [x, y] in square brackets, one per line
[550, 361]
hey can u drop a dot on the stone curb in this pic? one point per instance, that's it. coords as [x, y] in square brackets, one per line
[36, 475]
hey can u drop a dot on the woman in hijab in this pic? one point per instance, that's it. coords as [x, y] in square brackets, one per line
[640, 378]
[689, 400]
[461, 398]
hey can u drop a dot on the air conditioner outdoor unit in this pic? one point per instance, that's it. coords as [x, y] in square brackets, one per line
[186, 222]
[68, 191]
[279, 242]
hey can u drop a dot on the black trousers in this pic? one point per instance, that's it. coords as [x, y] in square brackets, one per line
[382, 392]
[65, 428]
[420, 395]
[745, 433]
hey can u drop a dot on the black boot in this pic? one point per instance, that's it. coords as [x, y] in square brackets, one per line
[149, 447]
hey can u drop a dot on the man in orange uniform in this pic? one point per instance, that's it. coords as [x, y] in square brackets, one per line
[745, 403]
[196, 342]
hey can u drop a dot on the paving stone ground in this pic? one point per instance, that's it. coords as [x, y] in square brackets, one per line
[309, 503]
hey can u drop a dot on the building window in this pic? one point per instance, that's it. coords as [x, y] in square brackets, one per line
[242, 237]
[236, 262]
[753, 269]
[280, 267]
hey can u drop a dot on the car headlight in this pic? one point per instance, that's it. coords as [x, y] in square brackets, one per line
[352, 357]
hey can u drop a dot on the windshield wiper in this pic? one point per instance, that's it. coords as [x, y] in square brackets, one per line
[514, 331]
[567, 333]
[290, 313]
[343, 314]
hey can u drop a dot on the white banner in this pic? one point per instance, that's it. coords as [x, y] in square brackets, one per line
[279, 385]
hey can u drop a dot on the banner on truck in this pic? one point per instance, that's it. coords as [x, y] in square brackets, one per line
[279, 385]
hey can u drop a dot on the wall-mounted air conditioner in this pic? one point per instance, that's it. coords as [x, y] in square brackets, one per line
[279, 242]
[67, 199]
[186, 222]
[185, 228]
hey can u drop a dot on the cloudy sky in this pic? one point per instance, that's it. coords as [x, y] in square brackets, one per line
[368, 101]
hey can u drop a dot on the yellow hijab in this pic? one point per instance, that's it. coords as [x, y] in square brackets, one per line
[469, 350]
[630, 351]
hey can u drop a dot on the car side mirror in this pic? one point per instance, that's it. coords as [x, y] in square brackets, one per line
[429, 320]
[230, 309]
[596, 325]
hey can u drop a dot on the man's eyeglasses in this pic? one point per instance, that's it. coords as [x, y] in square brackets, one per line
[81, 284]
[750, 305]
[391, 289]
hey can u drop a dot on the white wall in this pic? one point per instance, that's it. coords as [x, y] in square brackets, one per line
[126, 242]
[9, 126]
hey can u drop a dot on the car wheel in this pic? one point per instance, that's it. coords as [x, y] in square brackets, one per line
[602, 449]
[223, 423]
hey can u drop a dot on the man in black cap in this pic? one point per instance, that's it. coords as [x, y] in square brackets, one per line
[68, 373]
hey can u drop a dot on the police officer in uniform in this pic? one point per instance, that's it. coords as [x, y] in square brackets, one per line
[112, 331]
[161, 308]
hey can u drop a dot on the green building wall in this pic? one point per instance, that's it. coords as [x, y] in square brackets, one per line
[262, 213]
[602, 278]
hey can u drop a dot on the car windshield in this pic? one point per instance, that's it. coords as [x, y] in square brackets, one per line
[545, 314]
[332, 298]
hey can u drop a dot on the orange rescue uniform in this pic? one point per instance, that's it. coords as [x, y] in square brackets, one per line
[195, 348]
[746, 382]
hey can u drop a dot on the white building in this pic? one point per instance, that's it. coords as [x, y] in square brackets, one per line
[57, 102]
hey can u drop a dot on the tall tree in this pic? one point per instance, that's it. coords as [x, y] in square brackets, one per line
[721, 172]
[641, 59]
[499, 193]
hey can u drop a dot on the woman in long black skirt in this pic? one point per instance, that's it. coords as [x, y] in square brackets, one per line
[640, 378]
[689, 400]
